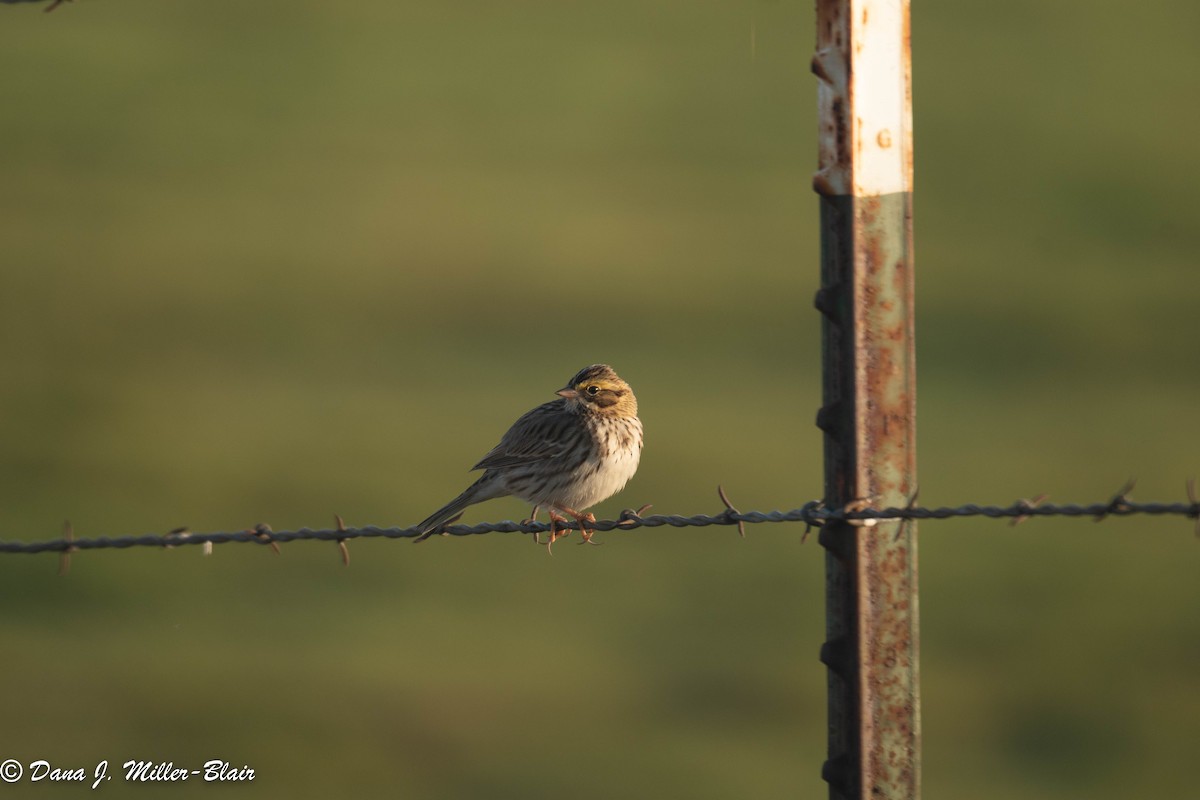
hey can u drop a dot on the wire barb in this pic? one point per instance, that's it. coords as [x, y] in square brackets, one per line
[811, 518]
[628, 515]
[907, 522]
[182, 532]
[1029, 504]
[1119, 502]
[730, 510]
[341, 540]
[263, 531]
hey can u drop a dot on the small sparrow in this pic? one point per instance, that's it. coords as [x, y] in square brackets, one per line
[564, 456]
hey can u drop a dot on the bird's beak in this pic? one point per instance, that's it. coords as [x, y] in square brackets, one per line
[567, 392]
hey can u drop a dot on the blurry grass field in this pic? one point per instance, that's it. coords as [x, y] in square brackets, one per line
[271, 261]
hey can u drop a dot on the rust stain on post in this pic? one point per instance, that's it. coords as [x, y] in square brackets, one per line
[864, 181]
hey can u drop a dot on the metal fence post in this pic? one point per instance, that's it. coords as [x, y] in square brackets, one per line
[863, 63]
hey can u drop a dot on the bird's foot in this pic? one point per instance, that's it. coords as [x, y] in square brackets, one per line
[532, 519]
[584, 531]
[556, 532]
[584, 521]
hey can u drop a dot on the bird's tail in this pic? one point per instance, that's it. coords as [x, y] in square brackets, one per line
[477, 492]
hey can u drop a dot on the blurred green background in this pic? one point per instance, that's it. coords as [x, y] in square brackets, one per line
[271, 261]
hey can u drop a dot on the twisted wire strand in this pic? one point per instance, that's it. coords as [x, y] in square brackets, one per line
[812, 514]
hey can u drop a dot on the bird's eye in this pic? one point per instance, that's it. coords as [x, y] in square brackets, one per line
[593, 390]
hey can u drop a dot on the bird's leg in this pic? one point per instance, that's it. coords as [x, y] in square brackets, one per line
[533, 518]
[583, 520]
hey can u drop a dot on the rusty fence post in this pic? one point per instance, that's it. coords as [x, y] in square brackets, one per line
[868, 416]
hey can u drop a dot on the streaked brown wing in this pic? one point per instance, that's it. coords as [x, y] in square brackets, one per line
[543, 433]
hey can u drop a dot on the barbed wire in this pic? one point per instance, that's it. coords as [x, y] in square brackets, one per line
[813, 514]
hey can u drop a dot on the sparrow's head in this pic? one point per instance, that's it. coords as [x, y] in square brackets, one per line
[600, 390]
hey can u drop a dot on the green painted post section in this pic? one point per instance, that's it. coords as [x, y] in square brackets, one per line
[869, 394]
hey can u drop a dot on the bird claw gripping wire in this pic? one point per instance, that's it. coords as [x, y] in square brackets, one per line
[532, 520]
[585, 533]
[555, 520]
[558, 531]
